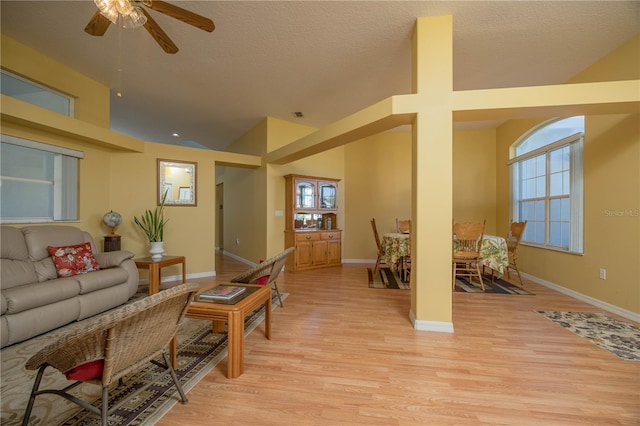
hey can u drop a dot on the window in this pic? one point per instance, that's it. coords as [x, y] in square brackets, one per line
[34, 93]
[547, 185]
[38, 182]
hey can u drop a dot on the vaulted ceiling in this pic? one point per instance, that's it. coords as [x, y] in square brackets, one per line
[326, 59]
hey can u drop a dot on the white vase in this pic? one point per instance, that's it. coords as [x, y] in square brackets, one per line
[156, 250]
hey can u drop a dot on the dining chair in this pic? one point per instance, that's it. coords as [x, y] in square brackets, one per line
[103, 349]
[467, 242]
[516, 230]
[406, 268]
[403, 226]
[380, 259]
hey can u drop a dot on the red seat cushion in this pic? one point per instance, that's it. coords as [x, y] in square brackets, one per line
[263, 279]
[87, 371]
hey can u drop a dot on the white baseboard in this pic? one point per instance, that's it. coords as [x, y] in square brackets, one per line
[437, 326]
[238, 258]
[172, 278]
[583, 297]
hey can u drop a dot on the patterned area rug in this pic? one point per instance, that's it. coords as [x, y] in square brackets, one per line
[386, 278]
[617, 337]
[498, 286]
[199, 351]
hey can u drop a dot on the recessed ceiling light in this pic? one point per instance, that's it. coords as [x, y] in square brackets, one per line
[298, 114]
[175, 135]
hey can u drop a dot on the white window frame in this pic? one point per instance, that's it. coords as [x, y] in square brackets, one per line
[65, 182]
[36, 93]
[575, 143]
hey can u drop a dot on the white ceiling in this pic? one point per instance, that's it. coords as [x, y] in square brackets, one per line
[327, 59]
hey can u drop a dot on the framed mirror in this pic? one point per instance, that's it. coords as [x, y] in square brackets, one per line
[178, 180]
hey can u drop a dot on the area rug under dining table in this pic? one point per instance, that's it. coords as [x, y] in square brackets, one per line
[386, 278]
[491, 286]
[199, 351]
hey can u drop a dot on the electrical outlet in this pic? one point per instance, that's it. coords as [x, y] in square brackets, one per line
[237, 241]
[603, 274]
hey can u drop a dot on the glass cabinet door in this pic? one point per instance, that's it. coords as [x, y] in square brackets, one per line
[328, 195]
[305, 195]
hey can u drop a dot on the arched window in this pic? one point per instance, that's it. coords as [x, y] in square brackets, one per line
[547, 185]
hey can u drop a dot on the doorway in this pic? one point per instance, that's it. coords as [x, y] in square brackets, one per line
[220, 216]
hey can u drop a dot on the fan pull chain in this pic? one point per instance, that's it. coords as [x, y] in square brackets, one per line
[119, 69]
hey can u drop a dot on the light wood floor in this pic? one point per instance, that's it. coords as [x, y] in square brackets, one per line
[344, 354]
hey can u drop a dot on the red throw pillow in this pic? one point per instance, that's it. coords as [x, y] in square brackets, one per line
[87, 371]
[73, 260]
[263, 279]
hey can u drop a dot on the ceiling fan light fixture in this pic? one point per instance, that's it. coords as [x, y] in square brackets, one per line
[134, 19]
[131, 16]
[107, 9]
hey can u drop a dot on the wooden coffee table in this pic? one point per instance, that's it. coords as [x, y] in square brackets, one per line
[234, 314]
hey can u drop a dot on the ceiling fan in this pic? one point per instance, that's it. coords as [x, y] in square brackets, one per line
[132, 15]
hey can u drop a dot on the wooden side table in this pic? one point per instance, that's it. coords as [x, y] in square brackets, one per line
[154, 267]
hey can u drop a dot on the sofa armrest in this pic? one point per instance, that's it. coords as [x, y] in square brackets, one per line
[111, 259]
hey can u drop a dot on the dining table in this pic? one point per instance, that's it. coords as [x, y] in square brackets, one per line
[396, 246]
[494, 252]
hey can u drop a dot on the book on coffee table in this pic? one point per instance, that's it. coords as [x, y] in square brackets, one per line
[222, 292]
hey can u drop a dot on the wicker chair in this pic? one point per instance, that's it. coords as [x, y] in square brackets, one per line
[266, 272]
[466, 250]
[105, 348]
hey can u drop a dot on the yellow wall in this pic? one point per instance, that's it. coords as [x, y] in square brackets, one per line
[92, 98]
[119, 179]
[113, 179]
[612, 197]
[252, 196]
[378, 169]
[190, 230]
[474, 177]
[244, 200]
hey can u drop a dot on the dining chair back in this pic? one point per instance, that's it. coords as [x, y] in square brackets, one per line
[467, 243]
[403, 226]
[516, 230]
[103, 349]
[380, 258]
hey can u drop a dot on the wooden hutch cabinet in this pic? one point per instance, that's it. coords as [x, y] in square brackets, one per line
[311, 226]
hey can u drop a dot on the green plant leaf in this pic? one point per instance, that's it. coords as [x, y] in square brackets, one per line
[152, 222]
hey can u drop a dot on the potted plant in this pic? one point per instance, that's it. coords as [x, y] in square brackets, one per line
[152, 224]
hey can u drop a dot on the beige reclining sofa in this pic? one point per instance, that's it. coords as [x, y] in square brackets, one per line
[36, 300]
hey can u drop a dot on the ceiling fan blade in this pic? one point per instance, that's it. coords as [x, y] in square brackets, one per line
[98, 25]
[183, 15]
[159, 35]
